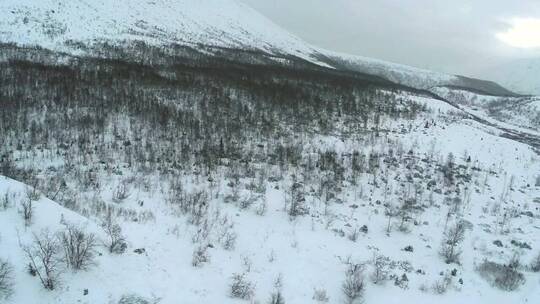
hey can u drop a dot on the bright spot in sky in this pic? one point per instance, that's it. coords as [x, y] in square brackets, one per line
[525, 33]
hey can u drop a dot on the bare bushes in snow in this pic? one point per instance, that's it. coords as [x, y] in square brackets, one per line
[79, 247]
[121, 192]
[115, 242]
[136, 299]
[504, 277]
[535, 264]
[449, 247]
[441, 285]
[320, 295]
[297, 204]
[27, 205]
[44, 259]
[277, 296]
[200, 256]
[6, 279]
[241, 288]
[380, 269]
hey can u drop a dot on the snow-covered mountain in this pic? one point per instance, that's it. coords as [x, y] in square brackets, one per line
[247, 166]
[56, 24]
[224, 23]
[521, 76]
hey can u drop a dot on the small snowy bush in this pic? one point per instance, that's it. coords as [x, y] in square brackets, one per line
[135, 299]
[320, 295]
[241, 288]
[441, 286]
[380, 271]
[200, 256]
[354, 286]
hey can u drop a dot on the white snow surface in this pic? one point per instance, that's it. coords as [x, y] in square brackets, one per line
[222, 23]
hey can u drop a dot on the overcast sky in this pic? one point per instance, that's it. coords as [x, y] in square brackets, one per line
[458, 36]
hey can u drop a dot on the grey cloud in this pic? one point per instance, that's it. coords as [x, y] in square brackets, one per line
[450, 36]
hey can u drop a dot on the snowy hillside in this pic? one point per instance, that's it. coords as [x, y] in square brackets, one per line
[309, 255]
[521, 76]
[227, 161]
[61, 24]
[222, 23]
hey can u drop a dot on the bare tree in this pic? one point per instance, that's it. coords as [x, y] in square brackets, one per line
[79, 247]
[44, 259]
[28, 206]
[453, 236]
[116, 242]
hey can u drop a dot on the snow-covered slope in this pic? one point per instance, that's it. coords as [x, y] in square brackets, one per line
[311, 252]
[53, 24]
[223, 23]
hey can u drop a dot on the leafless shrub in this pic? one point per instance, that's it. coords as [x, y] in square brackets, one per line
[32, 194]
[320, 295]
[200, 256]
[116, 242]
[297, 206]
[44, 259]
[121, 192]
[354, 234]
[6, 279]
[27, 209]
[241, 288]
[79, 247]
[441, 285]
[354, 286]
[535, 264]
[380, 269]
[196, 206]
[501, 276]
[136, 299]
[277, 297]
[246, 203]
[261, 208]
[227, 236]
[5, 203]
[453, 236]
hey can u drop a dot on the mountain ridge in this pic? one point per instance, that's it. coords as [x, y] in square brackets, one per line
[60, 24]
